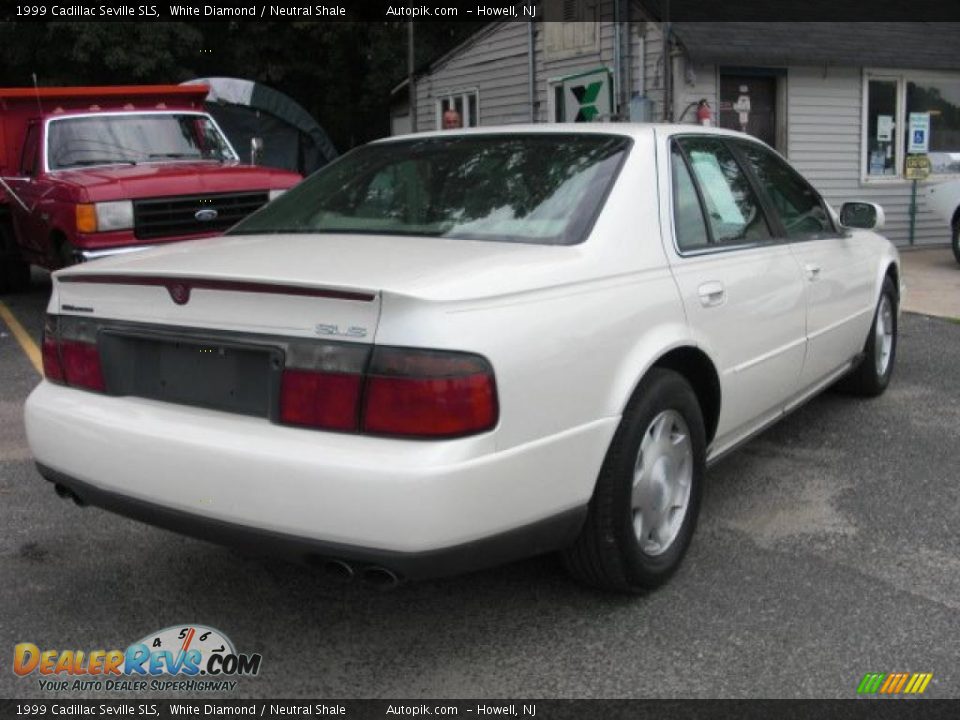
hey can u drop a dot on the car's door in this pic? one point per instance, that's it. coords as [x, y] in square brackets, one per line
[837, 270]
[742, 290]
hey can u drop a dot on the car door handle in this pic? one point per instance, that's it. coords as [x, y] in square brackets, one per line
[711, 293]
[812, 271]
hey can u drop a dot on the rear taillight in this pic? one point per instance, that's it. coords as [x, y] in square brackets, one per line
[401, 392]
[322, 400]
[52, 368]
[70, 353]
[81, 365]
[424, 393]
[346, 387]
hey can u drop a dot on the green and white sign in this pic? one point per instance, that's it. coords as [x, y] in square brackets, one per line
[588, 96]
[918, 136]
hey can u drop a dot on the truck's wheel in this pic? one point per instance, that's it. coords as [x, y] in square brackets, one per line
[645, 505]
[14, 270]
[68, 253]
[956, 239]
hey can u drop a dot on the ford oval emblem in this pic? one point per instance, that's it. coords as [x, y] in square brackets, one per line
[206, 214]
[179, 293]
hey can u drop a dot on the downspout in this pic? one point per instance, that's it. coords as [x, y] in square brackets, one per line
[412, 88]
[625, 87]
[667, 66]
[531, 68]
[617, 61]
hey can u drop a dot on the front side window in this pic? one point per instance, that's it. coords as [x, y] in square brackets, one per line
[28, 161]
[732, 208]
[536, 188]
[798, 205]
[134, 138]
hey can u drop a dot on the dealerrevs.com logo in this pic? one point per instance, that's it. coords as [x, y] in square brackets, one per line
[187, 658]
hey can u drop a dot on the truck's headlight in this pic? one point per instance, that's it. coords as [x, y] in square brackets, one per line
[116, 215]
[274, 194]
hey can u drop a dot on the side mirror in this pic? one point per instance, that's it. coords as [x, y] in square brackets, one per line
[863, 215]
[256, 150]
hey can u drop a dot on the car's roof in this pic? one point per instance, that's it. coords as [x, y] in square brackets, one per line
[625, 129]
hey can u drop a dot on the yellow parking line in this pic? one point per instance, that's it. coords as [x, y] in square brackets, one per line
[23, 337]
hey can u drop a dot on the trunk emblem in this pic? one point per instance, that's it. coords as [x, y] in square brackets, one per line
[206, 214]
[179, 292]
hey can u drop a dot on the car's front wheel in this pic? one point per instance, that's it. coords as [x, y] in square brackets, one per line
[872, 375]
[647, 498]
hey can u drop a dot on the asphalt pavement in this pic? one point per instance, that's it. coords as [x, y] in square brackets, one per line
[828, 548]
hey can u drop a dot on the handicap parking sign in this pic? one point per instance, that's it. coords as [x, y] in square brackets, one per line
[919, 133]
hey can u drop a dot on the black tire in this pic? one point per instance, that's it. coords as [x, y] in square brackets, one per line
[955, 241]
[867, 379]
[608, 553]
[67, 252]
[14, 270]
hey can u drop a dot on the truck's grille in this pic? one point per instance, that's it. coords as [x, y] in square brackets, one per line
[191, 214]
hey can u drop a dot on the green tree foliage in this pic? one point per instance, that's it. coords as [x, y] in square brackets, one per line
[341, 72]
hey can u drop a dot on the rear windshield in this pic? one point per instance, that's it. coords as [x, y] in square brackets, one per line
[534, 188]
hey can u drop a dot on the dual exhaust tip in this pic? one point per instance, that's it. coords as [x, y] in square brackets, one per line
[373, 576]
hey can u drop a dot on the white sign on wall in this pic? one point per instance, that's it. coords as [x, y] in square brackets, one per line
[884, 128]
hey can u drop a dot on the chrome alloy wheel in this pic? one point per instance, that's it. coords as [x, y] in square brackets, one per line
[884, 335]
[662, 478]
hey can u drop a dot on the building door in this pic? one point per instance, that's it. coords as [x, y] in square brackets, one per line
[748, 103]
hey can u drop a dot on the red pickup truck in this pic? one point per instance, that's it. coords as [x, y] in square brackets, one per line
[92, 171]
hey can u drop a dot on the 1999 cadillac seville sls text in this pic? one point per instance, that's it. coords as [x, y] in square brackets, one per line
[451, 350]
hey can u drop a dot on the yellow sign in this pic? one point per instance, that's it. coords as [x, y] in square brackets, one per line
[918, 167]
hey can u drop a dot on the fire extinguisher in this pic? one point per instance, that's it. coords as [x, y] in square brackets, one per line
[704, 114]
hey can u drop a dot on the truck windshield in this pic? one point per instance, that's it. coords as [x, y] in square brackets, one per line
[544, 188]
[134, 138]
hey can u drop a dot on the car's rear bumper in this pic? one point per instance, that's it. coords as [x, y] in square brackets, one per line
[366, 499]
[551, 533]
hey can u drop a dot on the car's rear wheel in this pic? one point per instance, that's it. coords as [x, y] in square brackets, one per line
[645, 505]
[871, 377]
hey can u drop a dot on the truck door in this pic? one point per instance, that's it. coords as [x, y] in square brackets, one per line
[30, 225]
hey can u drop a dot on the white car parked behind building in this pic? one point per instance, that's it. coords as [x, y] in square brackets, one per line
[451, 350]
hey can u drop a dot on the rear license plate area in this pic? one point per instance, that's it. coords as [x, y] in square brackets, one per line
[232, 377]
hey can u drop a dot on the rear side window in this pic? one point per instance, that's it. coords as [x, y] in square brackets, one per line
[732, 208]
[688, 223]
[798, 205]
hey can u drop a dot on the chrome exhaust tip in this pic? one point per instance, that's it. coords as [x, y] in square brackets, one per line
[380, 578]
[338, 571]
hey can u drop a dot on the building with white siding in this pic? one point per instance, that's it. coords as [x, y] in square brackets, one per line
[835, 98]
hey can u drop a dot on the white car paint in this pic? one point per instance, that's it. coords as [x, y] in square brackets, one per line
[569, 331]
[944, 199]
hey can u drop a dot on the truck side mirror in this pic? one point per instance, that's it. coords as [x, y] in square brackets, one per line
[863, 215]
[256, 150]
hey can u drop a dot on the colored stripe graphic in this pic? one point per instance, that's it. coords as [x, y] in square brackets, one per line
[894, 683]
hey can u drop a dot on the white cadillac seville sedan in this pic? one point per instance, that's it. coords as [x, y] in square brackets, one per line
[450, 350]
